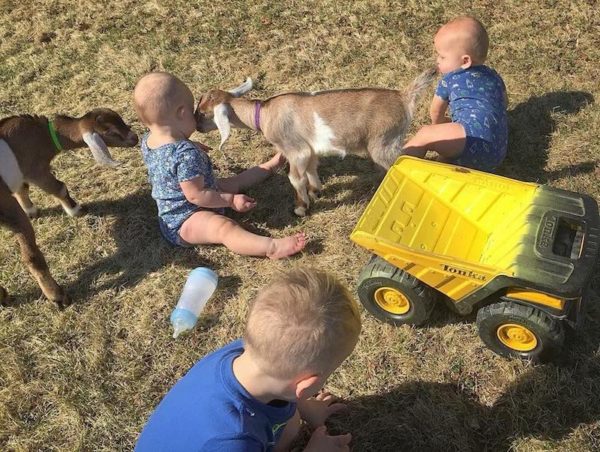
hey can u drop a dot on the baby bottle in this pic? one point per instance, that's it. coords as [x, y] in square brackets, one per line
[199, 287]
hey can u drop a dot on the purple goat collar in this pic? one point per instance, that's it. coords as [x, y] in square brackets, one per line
[257, 106]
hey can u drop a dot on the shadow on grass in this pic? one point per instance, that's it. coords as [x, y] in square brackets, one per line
[530, 128]
[276, 196]
[140, 248]
[546, 403]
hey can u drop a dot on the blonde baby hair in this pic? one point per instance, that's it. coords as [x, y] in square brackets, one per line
[157, 95]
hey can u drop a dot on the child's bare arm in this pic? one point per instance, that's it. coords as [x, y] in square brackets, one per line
[196, 193]
[437, 110]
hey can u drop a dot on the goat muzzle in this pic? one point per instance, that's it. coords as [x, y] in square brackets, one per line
[132, 139]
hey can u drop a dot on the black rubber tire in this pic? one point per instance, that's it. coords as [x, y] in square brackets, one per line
[377, 274]
[550, 333]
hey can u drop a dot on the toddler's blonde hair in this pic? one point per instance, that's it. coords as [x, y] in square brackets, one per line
[304, 321]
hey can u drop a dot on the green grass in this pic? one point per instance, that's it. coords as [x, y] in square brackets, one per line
[88, 377]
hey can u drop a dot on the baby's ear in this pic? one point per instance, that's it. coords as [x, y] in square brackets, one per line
[467, 62]
[180, 112]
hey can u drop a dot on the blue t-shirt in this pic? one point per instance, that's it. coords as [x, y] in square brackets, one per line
[476, 97]
[209, 410]
[168, 165]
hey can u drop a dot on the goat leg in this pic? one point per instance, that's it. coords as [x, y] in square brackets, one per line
[23, 197]
[36, 263]
[299, 181]
[58, 189]
[314, 183]
[15, 219]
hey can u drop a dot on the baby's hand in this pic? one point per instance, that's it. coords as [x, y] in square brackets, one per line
[321, 441]
[202, 146]
[242, 203]
[316, 410]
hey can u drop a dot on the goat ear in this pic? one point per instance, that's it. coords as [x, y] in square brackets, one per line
[99, 149]
[100, 118]
[101, 123]
[221, 119]
[242, 89]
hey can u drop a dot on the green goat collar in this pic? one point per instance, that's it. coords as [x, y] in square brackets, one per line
[54, 136]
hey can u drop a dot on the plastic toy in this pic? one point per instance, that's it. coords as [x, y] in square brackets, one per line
[521, 254]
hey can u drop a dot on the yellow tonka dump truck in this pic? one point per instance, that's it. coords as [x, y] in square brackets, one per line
[521, 254]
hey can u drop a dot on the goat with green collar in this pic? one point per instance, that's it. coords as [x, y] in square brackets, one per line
[28, 144]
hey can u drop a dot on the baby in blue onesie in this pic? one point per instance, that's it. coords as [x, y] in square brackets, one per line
[191, 201]
[476, 136]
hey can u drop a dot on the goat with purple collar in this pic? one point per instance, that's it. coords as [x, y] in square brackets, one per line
[27, 146]
[303, 126]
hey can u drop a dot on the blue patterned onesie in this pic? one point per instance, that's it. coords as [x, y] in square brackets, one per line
[168, 165]
[476, 99]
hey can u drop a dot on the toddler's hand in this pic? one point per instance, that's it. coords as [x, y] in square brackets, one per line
[321, 441]
[316, 410]
[242, 203]
[202, 146]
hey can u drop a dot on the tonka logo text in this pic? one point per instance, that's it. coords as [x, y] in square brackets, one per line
[465, 273]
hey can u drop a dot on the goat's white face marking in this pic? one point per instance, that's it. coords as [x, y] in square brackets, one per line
[323, 138]
[221, 119]
[10, 172]
[242, 89]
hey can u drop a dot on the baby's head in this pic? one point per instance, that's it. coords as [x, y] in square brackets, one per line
[161, 99]
[300, 328]
[461, 43]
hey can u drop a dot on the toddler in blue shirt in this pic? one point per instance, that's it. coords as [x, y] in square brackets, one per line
[477, 135]
[191, 201]
[251, 395]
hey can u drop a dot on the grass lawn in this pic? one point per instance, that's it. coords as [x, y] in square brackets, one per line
[88, 377]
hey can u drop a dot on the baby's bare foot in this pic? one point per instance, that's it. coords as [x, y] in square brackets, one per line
[287, 246]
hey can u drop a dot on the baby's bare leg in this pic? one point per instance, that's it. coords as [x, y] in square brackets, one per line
[251, 176]
[206, 227]
[448, 140]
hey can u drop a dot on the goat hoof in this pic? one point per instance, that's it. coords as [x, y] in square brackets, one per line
[63, 302]
[76, 211]
[60, 297]
[314, 195]
[32, 212]
[3, 297]
[300, 211]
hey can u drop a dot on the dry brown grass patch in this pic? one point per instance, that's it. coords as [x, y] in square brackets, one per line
[87, 378]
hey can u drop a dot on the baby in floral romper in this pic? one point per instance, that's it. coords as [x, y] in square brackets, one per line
[191, 201]
[477, 134]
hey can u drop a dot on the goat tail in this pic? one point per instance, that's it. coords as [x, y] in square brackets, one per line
[418, 85]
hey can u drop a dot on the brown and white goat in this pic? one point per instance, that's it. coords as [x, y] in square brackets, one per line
[27, 146]
[304, 126]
